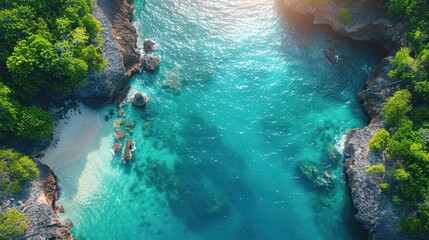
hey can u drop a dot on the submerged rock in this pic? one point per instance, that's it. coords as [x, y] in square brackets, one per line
[119, 135]
[140, 99]
[329, 54]
[321, 180]
[150, 62]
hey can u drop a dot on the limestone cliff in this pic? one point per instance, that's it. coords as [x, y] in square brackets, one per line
[120, 51]
[374, 210]
[369, 22]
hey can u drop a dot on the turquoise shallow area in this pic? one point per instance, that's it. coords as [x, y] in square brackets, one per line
[243, 97]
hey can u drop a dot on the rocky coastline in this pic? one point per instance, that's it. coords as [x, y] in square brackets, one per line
[374, 210]
[369, 22]
[38, 201]
[120, 50]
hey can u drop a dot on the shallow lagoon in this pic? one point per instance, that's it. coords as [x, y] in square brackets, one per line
[242, 98]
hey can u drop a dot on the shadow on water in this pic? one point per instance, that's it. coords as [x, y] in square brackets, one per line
[203, 185]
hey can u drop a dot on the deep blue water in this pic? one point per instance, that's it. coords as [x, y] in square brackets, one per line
[242, 98]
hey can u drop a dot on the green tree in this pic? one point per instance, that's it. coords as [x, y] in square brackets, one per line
[12, 224]
[92, 26]
[377, 169]
[8, 109]
[400, 175]
[94, 58]
[379, 141]
[31, 63]
[396, 107]
[403, 66]
[15, 169]
[34, 123]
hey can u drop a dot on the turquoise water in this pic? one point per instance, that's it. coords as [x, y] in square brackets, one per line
[243, 97]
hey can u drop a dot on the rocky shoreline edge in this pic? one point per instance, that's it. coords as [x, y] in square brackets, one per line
[376, 213]
[38, 201]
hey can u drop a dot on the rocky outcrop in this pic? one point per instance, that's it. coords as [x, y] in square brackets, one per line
[378, 88]
[148, 45]
[128, 148]
[374, 210]
[40, 207]
[120, 51]
[140, 99]
[369, 21]
[150, 62]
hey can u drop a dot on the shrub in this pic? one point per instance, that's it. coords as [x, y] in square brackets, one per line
[345, 15]
[376, 169]
[383, 186]
[396, 107]
[12, 224]
[34, 123]
[399, 174]
[379, 140]
[15, 169]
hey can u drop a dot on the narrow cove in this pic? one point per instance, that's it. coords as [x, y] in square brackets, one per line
[243, 97]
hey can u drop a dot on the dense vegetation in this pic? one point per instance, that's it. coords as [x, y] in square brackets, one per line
[406, 135]
[46, 47]
[12, 224]
[15, 169]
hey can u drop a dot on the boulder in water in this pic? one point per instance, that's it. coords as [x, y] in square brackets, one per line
[149, 45]
[116, 148]
[119, 135]
[150, 62]
[61, 209]
[140, 99]
[128, 147]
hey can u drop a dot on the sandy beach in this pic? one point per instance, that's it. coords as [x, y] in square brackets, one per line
[73, 137]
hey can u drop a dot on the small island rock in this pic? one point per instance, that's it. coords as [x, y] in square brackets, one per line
[150, 62]
[116, 148]
[149, 45]
[140, 99]
[127, 155]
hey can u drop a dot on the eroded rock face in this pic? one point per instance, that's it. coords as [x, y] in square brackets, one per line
[40, 210]
[374, 210]
[370, 23]
[150, 62]
[120, 51]
[140, 99]
[378, 88]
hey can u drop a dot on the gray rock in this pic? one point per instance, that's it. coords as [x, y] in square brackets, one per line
[102, 85]
[378, 88]
[150, 62]
[140, 99]
[149, 45]
[370, 22]
[376, 212]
